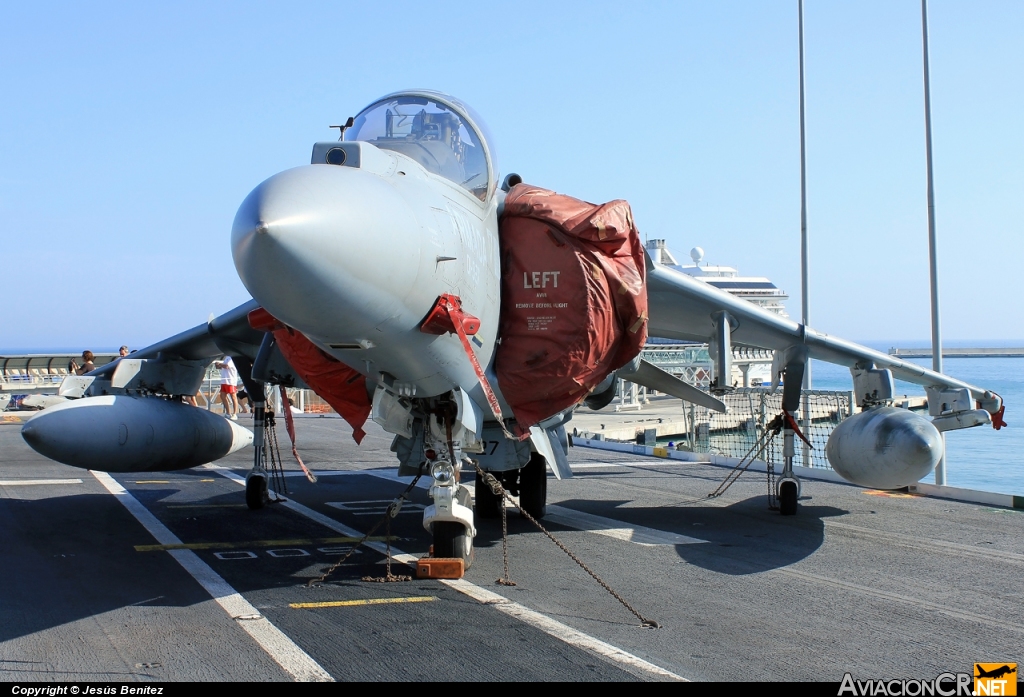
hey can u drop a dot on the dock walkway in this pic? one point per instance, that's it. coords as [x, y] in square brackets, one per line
[1006, 352]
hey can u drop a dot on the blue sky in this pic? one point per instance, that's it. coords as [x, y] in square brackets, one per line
[130, 133]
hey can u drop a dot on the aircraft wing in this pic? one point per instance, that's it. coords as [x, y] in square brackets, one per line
[682, 307]
[228, 334]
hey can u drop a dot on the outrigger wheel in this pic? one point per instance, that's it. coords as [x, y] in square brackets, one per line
[787, 497]
[256, 495]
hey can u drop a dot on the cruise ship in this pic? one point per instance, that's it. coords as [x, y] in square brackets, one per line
[755, 289]
[751, 367]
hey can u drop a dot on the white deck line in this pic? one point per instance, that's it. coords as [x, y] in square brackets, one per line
[36, 482]
[903, 600]
[558, 630]
[278, 646]
[302, 475]
[633, 464]
[542, 622]
[609, 527]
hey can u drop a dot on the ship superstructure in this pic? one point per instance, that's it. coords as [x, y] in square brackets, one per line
[755, 289]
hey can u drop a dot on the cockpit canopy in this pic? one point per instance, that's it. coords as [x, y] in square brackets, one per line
[435, 130]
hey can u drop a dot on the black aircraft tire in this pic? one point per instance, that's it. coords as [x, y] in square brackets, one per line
[452, 541]
[787, 498]
[533, 487]
[487, 503]
[256, 493]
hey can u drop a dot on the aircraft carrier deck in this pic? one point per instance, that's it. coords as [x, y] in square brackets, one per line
[114, 578]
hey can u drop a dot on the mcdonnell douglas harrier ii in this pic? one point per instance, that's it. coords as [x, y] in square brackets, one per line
[403, 280]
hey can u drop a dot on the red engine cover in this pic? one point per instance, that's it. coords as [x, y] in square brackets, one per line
[574, 299]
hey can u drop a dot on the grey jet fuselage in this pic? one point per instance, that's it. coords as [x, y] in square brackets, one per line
[357, 250]
[355, 255]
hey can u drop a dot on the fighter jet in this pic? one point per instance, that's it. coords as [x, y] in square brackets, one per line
[404, 280]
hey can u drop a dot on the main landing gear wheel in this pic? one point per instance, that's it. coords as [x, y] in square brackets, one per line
[487, 503]
[787, 498]
[533, 487]
[452, 541]
[256, 496]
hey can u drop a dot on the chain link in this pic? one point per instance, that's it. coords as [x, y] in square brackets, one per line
[745, 462]
[388, 577]
[772, 429]
[277, 480]
[392, 511]
[492, 483]
[482, 475]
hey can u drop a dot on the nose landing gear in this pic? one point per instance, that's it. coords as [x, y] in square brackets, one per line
[450, 521]
[452, 540]
[449, 518]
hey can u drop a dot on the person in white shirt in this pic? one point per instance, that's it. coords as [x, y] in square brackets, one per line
[228, 380]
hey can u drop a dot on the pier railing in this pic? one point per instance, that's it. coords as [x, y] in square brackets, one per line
[750, 410]
[305, 401]
[692, 362]
[26, 374]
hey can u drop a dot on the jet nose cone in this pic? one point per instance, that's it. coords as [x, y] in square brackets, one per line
[324, 240]
[269, 210]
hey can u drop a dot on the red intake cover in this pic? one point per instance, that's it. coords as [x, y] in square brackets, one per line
[340, 386]
[573, 299]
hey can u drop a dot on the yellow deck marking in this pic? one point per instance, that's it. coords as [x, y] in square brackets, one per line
[891, 494]
[368, 601]
[166, 481]
[257, 543]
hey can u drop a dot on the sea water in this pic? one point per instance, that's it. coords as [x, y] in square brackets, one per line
[976, 458]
